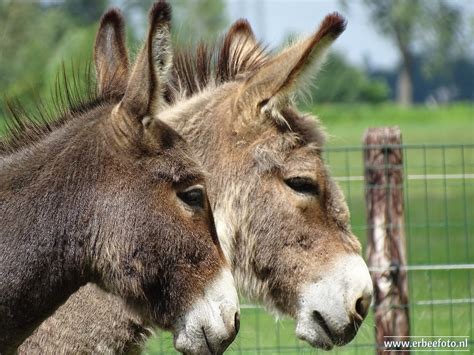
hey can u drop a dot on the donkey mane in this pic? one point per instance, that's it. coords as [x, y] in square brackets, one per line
[70, 97]
[194, 69]
[207, 65]
[204, 66]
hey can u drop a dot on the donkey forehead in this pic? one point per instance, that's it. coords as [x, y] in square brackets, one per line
[299, 138]
[307, 126]
[287, 153]
[177, 166]
[305, 158]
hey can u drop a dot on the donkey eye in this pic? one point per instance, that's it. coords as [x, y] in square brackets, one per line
[303, 185]
[193, 197]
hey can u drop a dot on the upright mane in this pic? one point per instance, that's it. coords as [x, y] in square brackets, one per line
[234, 57]
[71, 97]
[194, 70]
[208, 65]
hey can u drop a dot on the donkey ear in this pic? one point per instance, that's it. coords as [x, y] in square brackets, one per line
[240, 38]
[240, 52]
[110, 54]
[143, 93]
[280, 75]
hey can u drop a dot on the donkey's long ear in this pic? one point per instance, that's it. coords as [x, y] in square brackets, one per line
[143, 94]
[110, 54]
[272, 83]
[240, 51]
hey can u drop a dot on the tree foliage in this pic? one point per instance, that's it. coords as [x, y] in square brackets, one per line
[418, 27]
[40, 38]
[339, 81]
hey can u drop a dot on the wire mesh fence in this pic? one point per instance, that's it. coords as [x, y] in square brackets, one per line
[438, 192]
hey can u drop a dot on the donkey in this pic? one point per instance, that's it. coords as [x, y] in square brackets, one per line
[282, 221]
[112, 196]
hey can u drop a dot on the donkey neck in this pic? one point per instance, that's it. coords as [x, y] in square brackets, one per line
[45, 214]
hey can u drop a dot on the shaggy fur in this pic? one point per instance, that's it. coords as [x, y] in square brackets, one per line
[233, 104]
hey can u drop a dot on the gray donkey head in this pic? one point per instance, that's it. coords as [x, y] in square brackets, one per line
[281, 219]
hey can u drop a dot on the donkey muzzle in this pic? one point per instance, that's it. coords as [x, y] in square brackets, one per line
[213, 321]
[331, 310]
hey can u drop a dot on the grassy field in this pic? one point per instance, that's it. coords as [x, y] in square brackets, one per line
[439, 217]
[419, 125]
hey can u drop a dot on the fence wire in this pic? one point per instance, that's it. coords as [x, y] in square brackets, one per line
[438, 190]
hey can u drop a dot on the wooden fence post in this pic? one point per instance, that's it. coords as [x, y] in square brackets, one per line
[386, 251]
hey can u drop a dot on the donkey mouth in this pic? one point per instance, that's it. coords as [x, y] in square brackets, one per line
[317, 341]
[319, 320]
[316, 332]
[207, 342]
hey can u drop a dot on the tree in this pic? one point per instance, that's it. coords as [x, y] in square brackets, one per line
[331, 83]
[417, 26]
[37, 37]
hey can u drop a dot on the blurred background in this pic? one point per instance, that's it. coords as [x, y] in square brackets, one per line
[408, 63]
[406, 52]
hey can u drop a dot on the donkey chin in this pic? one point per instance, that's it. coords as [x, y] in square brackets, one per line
[212, 322]
[331, 310]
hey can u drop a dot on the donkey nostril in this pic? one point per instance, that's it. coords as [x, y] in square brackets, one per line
[237, 322]
[362, 306]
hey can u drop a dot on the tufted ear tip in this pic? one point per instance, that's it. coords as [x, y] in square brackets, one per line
[113, 17]
[333, 25]
[241, 27]
[160, 12]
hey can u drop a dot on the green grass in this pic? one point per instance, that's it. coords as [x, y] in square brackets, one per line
[439, 228]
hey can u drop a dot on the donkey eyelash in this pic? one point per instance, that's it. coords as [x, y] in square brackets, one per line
[193, 196]
[303, 185]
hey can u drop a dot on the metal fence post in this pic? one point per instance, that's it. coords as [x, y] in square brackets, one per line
[386, 252]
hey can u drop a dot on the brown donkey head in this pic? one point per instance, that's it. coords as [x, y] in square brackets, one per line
[126, 192]
[282, 221]
[170, 264]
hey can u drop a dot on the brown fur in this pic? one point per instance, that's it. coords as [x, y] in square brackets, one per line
[275, 238]
[94, 199]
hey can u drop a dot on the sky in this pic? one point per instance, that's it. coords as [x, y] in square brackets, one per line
[273, 20]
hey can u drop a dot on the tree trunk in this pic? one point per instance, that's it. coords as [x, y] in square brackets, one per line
[405, 85]
[405, 75]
